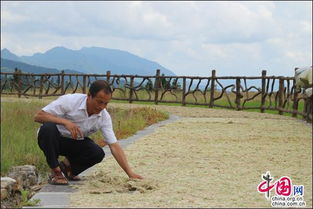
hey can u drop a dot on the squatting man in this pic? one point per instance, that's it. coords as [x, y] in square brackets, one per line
[66, 124]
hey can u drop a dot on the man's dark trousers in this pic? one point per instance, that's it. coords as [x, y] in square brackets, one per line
[82, 154]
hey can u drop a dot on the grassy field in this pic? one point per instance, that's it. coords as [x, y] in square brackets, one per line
[227, 100]
[256, 102]
[18, 129]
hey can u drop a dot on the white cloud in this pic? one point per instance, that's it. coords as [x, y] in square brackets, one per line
[187, 37]
[7, 17]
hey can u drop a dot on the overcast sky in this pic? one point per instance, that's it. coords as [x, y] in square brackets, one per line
[189, 38]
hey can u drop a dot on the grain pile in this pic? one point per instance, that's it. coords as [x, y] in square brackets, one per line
[207, 158]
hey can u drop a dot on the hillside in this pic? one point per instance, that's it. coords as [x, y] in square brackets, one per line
[9, 66]
[90, 60]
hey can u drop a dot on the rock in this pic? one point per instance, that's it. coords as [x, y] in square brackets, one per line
[4, 194]
[19, 178]
[30, 194]
[26, 175]
[35, 188]
[7, 182]
[8, 186]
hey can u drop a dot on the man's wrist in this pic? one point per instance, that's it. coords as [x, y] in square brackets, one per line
[63, 121]
[129, 173]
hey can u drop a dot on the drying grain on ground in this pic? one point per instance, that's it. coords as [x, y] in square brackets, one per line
[207, 158]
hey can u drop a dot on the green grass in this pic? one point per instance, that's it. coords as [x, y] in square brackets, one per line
[201, 99]
[18, 130]
[221, 102]
[127, 122]
[18, 135]
[25, 201]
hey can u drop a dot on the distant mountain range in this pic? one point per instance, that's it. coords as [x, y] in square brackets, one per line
[86, 60]
[9, 66]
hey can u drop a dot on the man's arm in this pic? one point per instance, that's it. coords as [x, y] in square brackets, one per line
[120, 157]
[42, 117]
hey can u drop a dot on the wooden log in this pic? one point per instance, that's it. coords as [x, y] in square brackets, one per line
[211, 103]
[17, 79]
[156, 86]
[263, 97]
[238, 95]
[280, 95]
[41, 87]
[295, 100]
[84, 83]
[62, 82]
[184, 92]
[108, 75]
[131, 91]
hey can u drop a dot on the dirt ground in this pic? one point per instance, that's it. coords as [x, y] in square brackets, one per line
[207, 158]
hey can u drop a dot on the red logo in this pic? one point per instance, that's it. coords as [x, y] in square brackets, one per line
[283, 185]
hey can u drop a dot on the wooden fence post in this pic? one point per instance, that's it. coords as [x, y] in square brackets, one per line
[295, 99]
[238, 93]
[34, 89]
[108, 76]
[212, 88]
[156, 86]
[263, 91]
[84, 83]
[17, 81]
[41, 86]
[295, 102]
[131, 89]
[184, 92]
[62, 82]
[280, 95]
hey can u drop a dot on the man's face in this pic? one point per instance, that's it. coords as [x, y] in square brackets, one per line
[96, 104]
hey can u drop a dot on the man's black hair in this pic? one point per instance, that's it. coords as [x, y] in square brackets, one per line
[99, 85]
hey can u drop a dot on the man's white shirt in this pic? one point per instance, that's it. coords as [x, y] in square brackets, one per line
[73, 107]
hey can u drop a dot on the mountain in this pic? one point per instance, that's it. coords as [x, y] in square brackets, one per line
[93, 60]
[5, 53]
[10, 65]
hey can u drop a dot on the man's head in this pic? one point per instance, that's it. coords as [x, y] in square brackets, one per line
[99, 95]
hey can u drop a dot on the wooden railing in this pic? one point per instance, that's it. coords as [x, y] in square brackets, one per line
[233, 92]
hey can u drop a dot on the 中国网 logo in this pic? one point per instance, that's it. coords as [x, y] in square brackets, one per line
[286, 194]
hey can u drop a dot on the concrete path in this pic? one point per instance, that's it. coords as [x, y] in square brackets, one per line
[57, 196]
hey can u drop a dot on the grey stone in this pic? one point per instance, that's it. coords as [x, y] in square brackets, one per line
[8, 186]
[4, 193]
[35, 188]
[25, 175]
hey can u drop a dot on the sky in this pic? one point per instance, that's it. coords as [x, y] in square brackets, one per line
[189, 38]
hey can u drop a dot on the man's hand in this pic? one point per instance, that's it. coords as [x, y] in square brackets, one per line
[120, 157]
[74, 129]
[42, 117]
[135, 176]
